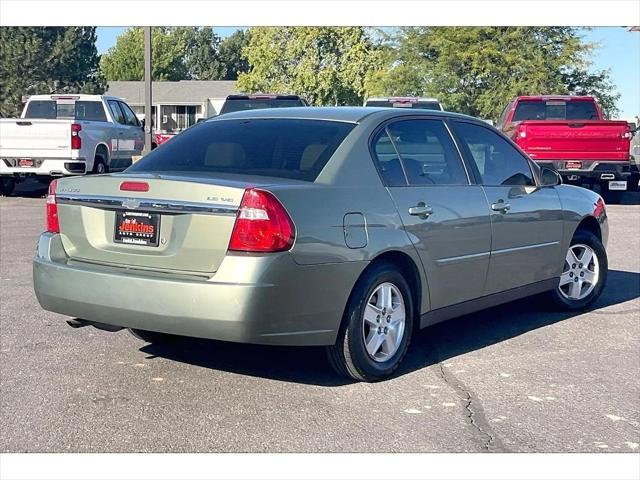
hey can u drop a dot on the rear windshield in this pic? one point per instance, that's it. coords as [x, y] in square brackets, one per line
[555, 110]
[388, 103]
[78, 110]
[284, 148]
[238, 104]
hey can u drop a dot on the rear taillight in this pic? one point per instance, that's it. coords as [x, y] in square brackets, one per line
[76, 141]
[262, 224]
[599, 208]
[53, 225]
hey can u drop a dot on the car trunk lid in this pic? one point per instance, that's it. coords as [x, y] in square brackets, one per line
[154, 222]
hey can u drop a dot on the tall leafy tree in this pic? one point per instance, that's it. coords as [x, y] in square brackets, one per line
[47, 60]
[326, 65]
[202, 57]
[125, 60]
[231, 58]
[477, 70]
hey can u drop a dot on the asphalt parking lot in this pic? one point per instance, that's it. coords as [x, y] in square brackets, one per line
[514, 378]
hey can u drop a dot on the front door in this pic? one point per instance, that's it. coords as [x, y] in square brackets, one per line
[526, 219]
[446, 217]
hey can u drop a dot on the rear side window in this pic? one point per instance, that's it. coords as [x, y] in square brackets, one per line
[116, 112]
[555, 110]
[79, 110]
[285, 148]
[130, 117]
[497, 161]
[421, 151]
[237, 105]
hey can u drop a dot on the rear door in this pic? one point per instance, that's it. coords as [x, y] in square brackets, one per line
[118, 139]
[134, 136]
[446, 217]
[526, 220]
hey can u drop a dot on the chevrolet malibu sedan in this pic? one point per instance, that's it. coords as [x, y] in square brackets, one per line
[348, 228]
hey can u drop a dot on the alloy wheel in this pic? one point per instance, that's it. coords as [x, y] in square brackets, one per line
[383, 322]
[580, 273]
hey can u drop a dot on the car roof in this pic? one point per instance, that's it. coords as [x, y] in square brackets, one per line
[339, 114]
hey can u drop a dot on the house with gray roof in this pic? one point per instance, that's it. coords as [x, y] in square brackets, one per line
[176, 105]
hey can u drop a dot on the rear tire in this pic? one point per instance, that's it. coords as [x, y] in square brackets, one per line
[377, 326]
[572, 294]
[99, 165]
[7, 185]
[153, 337]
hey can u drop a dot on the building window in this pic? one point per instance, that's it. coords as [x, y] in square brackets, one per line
[175, 118]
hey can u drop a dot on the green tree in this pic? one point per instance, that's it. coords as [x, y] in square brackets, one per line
[202, 57]
[477, 70]
[125, 60]
[47, 60]
[230, 54]
[326, 65]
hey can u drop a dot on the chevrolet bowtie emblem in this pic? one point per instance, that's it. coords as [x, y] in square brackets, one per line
[131, 203]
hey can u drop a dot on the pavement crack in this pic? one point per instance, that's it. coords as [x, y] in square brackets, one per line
[474, 412]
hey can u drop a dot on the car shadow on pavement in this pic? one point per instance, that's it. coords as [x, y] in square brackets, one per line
[308, 365]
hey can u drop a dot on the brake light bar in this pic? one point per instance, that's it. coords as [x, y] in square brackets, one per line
[263, 96]
[134, 186]
[403, 99]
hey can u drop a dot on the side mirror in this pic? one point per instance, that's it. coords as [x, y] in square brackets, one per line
[549, 177]
[142, 124]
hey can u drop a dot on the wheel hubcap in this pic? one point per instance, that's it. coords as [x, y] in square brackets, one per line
[580, 273]
[383, 322]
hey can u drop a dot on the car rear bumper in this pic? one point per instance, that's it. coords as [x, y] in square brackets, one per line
[56, 167]
[251, 299]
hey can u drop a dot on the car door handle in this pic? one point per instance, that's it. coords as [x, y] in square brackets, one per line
[500, 206]
[421, 210]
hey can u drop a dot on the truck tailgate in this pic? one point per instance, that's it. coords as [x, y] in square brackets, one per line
[577, 139]
[37, 138]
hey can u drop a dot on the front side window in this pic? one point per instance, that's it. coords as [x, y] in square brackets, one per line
[283, 148]
[497, 161]
[422, 151]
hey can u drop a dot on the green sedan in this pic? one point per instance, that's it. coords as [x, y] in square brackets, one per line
[347, 228]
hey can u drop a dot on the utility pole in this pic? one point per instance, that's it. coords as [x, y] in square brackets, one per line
[148, 108]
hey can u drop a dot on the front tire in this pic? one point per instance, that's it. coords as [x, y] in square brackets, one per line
[377, 326]
[584, 273]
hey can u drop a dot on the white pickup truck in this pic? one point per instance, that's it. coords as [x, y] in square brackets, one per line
[59, 135]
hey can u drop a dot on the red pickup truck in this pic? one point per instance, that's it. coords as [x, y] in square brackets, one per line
[570, 134]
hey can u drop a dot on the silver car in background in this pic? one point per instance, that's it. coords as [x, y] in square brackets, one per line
[349, 228]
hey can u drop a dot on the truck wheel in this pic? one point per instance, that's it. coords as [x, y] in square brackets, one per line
[99, 165]
[7, 184]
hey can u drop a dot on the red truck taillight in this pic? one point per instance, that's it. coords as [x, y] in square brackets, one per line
[76, 141]
[262, 225]
[53, 225]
